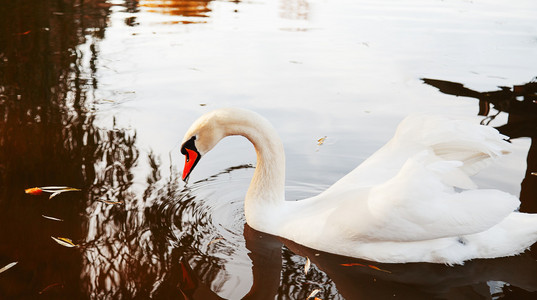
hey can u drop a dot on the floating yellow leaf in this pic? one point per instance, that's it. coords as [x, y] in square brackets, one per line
[8, 266]
[321, 140]
[64, 242]
[307, 266]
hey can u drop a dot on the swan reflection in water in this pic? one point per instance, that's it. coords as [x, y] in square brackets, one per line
[193, 243]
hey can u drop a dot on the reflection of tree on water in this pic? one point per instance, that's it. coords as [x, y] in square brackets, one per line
[49, 136]
[186, 8]
[520, 103]
[46, 138]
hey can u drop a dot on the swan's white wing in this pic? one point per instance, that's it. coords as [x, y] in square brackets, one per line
[420, 204]
[472, 144]
[406, 190]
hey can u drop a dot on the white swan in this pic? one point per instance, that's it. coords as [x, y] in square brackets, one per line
[411, 201]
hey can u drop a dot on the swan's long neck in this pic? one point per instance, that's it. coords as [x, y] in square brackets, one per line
[266, 189]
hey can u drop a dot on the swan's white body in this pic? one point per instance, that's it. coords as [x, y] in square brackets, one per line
[411, 201]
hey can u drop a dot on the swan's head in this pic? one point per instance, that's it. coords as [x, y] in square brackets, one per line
[202, 136]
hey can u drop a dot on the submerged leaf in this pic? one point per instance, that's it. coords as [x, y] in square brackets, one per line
[49, 287]
[24, 33]
[307, 266]
[378, 269]
[352, 265]
[64, 242]
[8, 266]
[361, 265]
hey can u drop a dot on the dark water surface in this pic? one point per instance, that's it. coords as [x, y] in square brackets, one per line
[96, 95]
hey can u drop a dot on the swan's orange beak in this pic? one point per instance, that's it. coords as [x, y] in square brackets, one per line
[191, 159]
[192, 156]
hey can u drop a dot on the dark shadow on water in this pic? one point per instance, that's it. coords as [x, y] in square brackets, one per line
[520, 103]
[359, 279]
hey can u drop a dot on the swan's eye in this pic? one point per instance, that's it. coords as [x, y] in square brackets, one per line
[190, 144]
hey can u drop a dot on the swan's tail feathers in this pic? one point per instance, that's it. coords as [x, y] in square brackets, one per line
[512, 236]
[455, 140]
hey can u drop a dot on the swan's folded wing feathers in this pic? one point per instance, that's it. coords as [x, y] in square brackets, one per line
[417, 205]
[450, 139]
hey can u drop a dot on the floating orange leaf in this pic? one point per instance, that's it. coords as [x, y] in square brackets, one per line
[34, 191]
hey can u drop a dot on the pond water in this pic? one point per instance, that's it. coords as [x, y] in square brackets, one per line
[97, 95]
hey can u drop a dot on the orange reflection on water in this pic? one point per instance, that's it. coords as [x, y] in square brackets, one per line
[185, 8]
